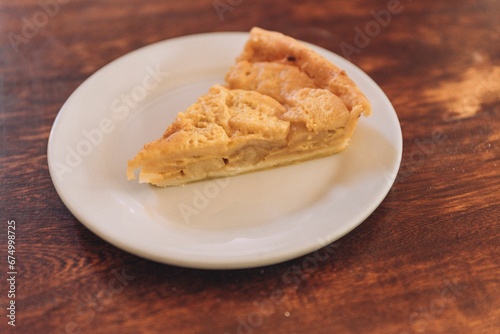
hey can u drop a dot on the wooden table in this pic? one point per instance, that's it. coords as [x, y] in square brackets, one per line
[426, 261]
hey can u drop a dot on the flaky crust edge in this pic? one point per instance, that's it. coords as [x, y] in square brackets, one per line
[271, 46]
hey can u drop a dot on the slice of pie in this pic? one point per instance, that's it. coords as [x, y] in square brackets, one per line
[282, 103]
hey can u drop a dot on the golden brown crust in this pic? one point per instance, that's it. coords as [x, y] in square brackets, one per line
[274, 47]
[283, 103]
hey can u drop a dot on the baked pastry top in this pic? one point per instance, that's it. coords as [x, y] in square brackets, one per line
[282, 103]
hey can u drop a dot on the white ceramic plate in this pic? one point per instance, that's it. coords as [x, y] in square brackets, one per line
[245, 221]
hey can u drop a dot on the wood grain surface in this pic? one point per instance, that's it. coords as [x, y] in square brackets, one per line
[426, 261]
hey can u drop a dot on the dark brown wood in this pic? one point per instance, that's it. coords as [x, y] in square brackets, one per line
[426, 261]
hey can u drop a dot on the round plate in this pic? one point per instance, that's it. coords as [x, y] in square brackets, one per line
[244, 221]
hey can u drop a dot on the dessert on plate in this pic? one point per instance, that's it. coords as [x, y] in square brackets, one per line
[282, 103]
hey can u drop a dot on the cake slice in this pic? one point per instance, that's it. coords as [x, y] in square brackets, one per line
[282, 103]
